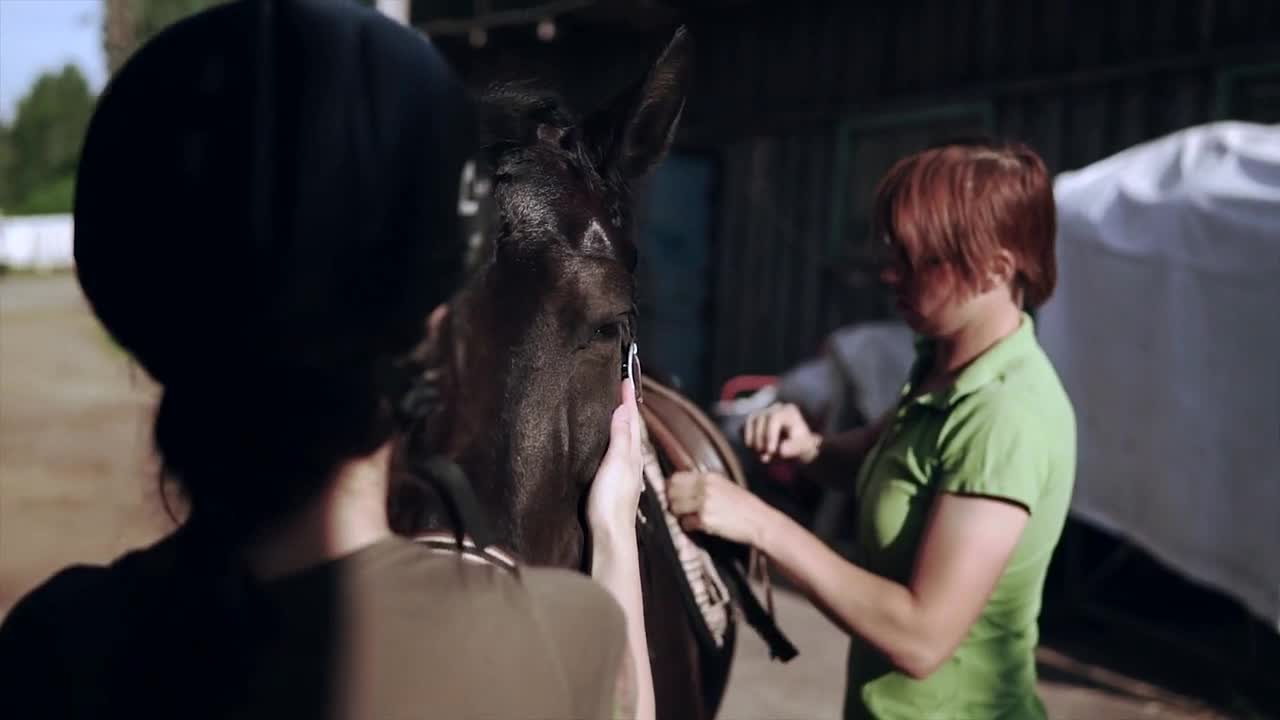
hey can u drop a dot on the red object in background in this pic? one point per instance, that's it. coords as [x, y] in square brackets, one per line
[783, 472]
[739, 384]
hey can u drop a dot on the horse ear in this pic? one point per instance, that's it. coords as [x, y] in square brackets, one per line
[635, 131]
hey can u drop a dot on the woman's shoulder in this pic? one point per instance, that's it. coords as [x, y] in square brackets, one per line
[1026, 395]
[65, 589]
[448, 576]
[58, 630]
[589, 629]
[82, 594]
[586, 621]
[558, 631]
[574, 595]
[83, 586]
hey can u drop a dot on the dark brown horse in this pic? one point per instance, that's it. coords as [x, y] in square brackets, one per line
[535, 343]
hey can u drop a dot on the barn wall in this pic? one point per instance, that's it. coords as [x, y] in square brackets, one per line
[805, 104]
[833, 98]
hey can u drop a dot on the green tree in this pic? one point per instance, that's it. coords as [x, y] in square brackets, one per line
[42, 148]
[6, 162]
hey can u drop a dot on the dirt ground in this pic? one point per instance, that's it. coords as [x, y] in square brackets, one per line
[77, 484]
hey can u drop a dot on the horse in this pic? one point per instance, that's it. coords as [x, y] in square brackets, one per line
[533, 343]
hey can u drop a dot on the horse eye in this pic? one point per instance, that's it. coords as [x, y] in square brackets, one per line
[607, 332]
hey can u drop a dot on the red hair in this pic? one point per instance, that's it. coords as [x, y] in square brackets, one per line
[959, 204]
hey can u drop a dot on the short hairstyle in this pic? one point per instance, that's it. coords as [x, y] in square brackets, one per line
[961, 202]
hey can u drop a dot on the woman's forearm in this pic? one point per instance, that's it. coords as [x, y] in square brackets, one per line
[615, 563]
[883, 613]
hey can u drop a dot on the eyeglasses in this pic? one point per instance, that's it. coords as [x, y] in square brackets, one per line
[893, 256]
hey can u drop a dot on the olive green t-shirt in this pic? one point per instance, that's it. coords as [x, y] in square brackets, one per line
[392, 631]
[418, 634]
[1004, 429]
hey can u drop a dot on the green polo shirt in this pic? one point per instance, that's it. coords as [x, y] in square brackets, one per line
[1004, 429]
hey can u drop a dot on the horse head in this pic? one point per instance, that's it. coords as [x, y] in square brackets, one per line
[537, 336]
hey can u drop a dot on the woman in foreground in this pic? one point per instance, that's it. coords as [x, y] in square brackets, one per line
[265, 218]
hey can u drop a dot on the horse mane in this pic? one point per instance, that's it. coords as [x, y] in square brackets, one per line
[520, 119]
[512, 111]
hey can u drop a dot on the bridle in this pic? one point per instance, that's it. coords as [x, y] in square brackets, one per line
[631, 367]
[473, 541]
[472, 538]
[443, 541]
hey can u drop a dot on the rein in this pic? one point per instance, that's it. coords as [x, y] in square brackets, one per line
[444, 541]
[668, 417]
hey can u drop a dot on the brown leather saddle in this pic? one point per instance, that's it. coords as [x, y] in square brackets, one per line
[687, 440]
[690, 441]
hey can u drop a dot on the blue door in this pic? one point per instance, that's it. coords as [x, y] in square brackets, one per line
[674, 273]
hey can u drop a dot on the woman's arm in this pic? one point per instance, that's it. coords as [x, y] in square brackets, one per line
[965, 547]
[615, 555]
[780, 432]
[615, 563]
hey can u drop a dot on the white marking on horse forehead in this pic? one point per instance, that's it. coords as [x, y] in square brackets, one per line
[595, 236]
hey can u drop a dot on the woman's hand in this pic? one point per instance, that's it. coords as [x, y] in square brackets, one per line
[779, 432]
[615, 492]
[712, 503]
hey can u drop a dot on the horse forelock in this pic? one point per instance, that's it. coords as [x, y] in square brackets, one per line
[527, 130]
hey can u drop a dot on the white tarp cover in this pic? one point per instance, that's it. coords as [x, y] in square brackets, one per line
[37, 242]
[1165, 329]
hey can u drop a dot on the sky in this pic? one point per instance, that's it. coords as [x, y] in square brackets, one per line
[41, 35]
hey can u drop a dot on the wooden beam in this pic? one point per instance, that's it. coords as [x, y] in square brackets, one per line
[503, 18]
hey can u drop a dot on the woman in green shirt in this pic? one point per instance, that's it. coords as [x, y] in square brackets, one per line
[962, 488]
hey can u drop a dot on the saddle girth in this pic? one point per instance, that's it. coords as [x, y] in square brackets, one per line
[692, 443]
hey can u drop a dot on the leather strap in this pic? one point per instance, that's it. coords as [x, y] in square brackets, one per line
[711, 433]
[445, 541]
[683, 460]
[460, 501]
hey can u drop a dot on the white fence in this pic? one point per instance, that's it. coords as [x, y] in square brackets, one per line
[36, 242]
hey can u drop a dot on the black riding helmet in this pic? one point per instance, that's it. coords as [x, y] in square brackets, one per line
[265, 214]
[275, 178]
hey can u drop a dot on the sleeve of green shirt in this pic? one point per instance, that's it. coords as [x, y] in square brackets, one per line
[991, 445]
